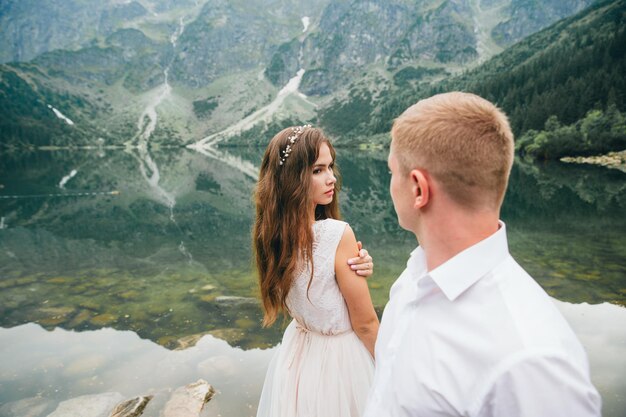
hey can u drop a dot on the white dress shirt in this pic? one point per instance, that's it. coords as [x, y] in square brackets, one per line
[477, 337]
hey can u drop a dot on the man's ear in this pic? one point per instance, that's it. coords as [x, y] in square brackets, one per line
[421, 188]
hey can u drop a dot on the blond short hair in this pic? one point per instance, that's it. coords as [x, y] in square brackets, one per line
[463, 141]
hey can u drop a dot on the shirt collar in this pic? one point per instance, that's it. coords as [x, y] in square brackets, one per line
[460, 272]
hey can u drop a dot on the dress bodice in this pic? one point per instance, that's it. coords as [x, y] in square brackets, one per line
[324, 310]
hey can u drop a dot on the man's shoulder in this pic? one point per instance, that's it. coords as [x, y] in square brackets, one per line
[527, 314]
[538, 373]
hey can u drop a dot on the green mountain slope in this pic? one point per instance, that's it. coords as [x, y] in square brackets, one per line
[27, 116]
[176, 72]
[85, 86]
[566, 70]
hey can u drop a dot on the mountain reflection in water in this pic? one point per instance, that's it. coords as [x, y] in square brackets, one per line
[174, 275]
[60, 364]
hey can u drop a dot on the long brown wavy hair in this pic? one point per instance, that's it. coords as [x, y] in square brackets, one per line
[282, 235]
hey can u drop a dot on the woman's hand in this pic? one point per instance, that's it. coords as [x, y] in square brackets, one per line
[363, 265]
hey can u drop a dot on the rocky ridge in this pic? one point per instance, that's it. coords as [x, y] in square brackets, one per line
[99, 64]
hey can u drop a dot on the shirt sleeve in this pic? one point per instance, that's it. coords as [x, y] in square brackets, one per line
[541, 386]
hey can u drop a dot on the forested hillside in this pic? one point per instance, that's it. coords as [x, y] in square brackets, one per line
[563, 72]
[172, 72]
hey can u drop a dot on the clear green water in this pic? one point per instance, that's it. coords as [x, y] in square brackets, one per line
[167, 257]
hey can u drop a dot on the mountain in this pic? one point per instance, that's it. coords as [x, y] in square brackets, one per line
[392, 33]
[85, 86]
[387, 33]
[530, 16]
[160, 60]
[171, 72]
[575, 66]
[230, 37]
[30, 27]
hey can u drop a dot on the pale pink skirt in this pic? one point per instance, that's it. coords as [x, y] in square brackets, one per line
[315, 375]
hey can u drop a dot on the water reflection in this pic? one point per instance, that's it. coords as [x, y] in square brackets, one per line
[178, 273]
[119, 260]
[47, 367]
[51, 366]
[601, 329]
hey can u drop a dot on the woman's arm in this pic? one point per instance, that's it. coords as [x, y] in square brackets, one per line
[355, 292]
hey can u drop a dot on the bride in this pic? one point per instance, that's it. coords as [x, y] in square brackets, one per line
[324, 365]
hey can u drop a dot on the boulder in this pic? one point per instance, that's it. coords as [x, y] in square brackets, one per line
[189, 400]
[131, 408]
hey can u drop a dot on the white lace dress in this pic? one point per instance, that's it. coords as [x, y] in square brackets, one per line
[321, 368]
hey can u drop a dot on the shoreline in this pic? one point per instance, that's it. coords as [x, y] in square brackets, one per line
[614, 160]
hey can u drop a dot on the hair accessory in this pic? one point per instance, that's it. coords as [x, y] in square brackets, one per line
[295, 134]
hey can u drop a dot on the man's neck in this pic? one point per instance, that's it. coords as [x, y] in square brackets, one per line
[442, 239]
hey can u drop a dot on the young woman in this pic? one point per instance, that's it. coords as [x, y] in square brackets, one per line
[324, 365]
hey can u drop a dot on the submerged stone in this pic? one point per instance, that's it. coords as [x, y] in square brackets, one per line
[55, 315]
[82, 317]
[98, 405]
[129, 295]
[245, 323]
[208, 298]
[51, 321]
[90, 304]
[25, 281]
[57, 311]
[103, 319]
[78, 289]
[156, 310]
[17, 282]
[27, 407]
[585, 276]
[232, 300]
[6, 283]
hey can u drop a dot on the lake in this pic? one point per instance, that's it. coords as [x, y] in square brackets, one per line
[130, 270]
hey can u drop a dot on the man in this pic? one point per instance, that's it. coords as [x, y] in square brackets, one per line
[467, 332]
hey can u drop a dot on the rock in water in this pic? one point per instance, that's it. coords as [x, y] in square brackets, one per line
[131, 408]
[189, 400]
[98, 405]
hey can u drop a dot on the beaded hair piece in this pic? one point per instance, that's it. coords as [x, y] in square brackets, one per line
[293, 138]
